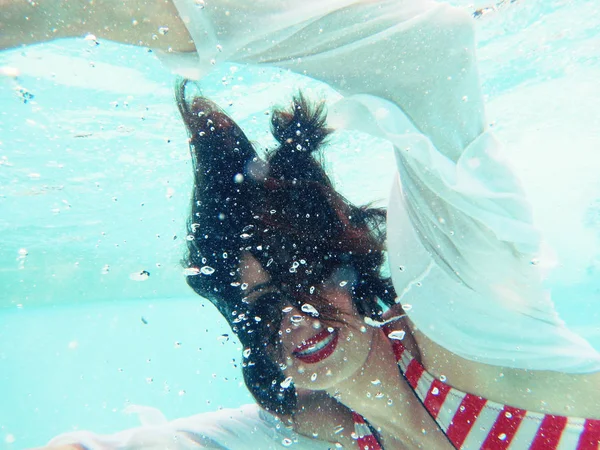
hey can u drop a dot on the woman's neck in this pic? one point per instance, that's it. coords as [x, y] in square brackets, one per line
[382, 396]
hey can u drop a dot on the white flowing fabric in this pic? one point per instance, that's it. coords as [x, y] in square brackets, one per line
[229, 429]
[463, 248]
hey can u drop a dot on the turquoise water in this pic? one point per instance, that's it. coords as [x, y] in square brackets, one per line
[94, 188]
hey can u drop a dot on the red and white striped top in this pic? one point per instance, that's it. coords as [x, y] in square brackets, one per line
[472, 422]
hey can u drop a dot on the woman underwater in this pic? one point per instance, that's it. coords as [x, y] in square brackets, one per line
[297, 275]
[465, 257]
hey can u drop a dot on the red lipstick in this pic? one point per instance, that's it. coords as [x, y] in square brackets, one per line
[317, 348]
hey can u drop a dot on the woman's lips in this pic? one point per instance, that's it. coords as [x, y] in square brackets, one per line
[318, 347]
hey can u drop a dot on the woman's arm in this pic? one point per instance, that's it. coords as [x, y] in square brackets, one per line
[151, 23]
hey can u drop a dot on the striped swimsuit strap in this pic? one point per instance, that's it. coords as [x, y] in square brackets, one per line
[472, 422]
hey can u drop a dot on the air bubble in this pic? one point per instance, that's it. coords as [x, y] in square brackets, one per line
[191, 271]
[310, 309]
[287, 309]
[140, 276]
[397, 335]
[296, 319]
[343, 283]
[407, 307]
[246, 352]
[286, 442]
[207, 270]
[286, 383]
[313, 377]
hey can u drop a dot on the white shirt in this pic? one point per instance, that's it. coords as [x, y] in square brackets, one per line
[474, 263]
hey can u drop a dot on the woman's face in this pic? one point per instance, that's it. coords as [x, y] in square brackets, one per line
[317, 351]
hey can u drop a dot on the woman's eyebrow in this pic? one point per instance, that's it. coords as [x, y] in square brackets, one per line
[258, 287]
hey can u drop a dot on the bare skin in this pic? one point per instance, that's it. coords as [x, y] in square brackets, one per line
[148, 23]
[406, 424]
[403, 423]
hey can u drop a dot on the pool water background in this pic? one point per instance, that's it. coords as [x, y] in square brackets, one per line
[94, 189]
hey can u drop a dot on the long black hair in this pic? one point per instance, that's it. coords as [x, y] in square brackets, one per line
[284, 212]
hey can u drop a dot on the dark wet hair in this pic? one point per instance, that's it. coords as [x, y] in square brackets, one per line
[283, 211]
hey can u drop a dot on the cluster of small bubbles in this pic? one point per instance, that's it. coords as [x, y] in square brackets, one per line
[309, 309]
[295, 265]
[207, 270]
[397, 335]
[286, 442]
[247, 352]
[286, 383]
[312, 290]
